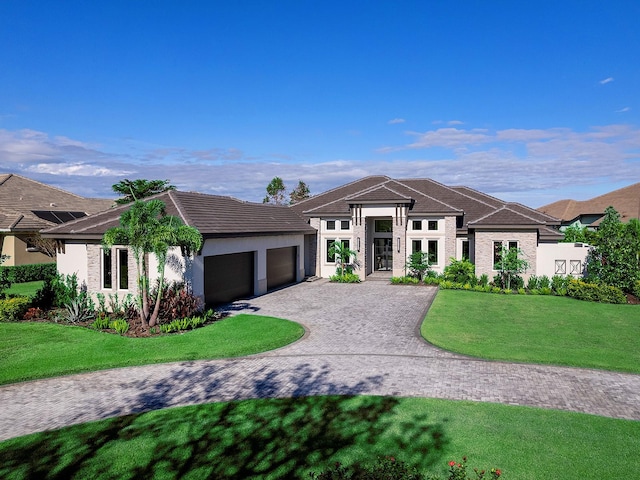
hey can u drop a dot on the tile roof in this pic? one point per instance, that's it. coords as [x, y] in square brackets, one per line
[212, 215]
[625, 200]
[427, 197]
[21, 197]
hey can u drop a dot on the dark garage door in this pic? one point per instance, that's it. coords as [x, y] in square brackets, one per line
[281, 266]
[228, 277]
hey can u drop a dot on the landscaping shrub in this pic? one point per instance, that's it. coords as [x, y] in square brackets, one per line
[30, 273]
[418, 264]
[33, 313]
[12, 309]
[345, 278]
[483, 280]
[404, 280]
[177, 302]
[544, 282]
[460, 271]
[594, 292]
[57, 291]
[80, 309]
[636, 288]
[120, 325]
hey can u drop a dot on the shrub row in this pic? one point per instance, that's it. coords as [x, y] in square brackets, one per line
[30, 273]
[594, 292]
[346, 278]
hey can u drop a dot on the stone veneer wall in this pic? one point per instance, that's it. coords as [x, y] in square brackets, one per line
[449, 239]
[399, 257]
[360, 231]
[527, 242]
[315, 254]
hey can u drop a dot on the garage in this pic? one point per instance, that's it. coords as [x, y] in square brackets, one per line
[281, 266]
[228, 277]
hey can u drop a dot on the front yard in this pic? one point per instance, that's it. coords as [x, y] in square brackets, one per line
[536, 329]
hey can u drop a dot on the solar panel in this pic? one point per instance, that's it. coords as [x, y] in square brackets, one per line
[57, 217]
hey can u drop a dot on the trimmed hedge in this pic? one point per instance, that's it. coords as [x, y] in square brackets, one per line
[13, 309]
[594, 292]
[30, 273]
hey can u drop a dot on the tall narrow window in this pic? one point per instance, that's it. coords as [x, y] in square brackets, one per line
[330, 258]
[107, 275]
[432, 251]
[345, 244]
[123, 269]
[513, 245]
[497, 252]
[416, 246]
[465, 249]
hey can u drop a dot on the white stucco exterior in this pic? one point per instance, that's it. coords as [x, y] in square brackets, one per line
[561, 259]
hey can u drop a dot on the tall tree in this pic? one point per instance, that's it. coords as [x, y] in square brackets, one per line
[275, 192]
[132, 190]
[614, 258]
[300, 192]
[146, 228]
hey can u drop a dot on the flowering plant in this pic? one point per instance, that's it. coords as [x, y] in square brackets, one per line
[458, 471]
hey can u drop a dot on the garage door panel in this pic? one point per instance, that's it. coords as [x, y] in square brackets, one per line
[281, 266]
[228, 277]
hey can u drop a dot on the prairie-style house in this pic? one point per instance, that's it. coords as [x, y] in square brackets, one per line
[251, 248]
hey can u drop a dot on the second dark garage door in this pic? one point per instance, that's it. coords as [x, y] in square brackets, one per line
[228, 277]
[281, 266]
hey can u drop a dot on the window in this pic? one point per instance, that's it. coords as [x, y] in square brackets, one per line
[331, 224]
[417, 225]
[123, 269]
[345, 244]
[513, 244]
[465, 249]
[497, 252]
[432, 225]
[561, 267]
[576, 267]
[383, 226]
[344, 225]
[432, 251]
[330, 258]
[107, 275]
[416, 246]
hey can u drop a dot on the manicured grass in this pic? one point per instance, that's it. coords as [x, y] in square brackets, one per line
[37, 350]
[537, 329]
[286, 438]
[27, 289]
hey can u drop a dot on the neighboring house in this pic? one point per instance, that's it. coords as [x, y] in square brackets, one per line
[27, 207]
[249, 248]
[385, 220]
[589, 213]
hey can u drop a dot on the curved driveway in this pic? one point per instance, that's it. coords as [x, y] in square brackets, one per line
[361, 339]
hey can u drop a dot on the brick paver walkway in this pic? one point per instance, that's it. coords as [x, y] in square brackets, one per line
[347, 350]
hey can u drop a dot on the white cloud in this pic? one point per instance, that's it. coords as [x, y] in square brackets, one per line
[622, 110]
[606, 80]
[455, 122]
[396, 121]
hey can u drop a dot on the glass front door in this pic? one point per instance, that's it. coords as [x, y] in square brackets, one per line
[383, 254]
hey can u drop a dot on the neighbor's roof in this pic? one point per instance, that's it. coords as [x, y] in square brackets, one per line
[426, 196]
[28, 205]
[625, 200]
[212, 215]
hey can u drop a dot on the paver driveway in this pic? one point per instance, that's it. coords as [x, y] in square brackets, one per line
[348, 349]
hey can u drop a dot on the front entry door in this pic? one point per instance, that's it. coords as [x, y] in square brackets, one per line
[383, 254]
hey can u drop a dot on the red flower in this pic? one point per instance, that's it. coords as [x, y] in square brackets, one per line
[452, 463]
[498, 472]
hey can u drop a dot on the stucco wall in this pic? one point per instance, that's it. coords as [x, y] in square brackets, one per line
[569, 253]
[15, 247]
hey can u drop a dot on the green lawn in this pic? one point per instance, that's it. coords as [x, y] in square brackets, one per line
[537, 329]
[27, 289]
[37, 350]
[286, 438]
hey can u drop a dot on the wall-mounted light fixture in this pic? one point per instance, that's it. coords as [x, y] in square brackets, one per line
[398, 244]
[358, 243]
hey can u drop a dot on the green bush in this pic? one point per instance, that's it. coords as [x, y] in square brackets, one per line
[30, 273]
[345, 278]
[636, 288]
[405, 280]
[483, 280]
[120, 325]
[13, 309]
[100, 323]
[544, 282]
[532, 283]
[460, 271]
[559, 284]
[594, 292]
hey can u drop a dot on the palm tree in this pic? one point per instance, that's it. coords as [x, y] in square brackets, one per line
[343, 254]
[146, 228]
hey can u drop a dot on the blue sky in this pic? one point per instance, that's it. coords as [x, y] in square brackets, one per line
[528, 101]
